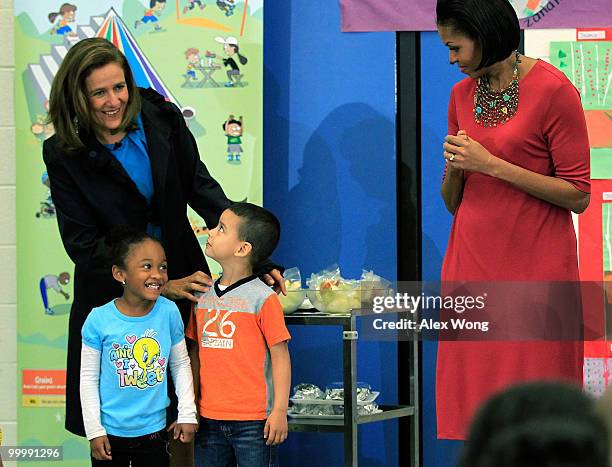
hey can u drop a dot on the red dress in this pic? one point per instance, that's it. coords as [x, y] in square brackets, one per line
[500, 233]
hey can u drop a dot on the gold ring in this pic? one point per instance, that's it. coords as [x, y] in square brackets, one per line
[452, 157]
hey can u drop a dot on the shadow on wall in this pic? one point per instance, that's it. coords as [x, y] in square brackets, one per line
[309, 210]
[343, 203]
[367, 144]
[436, 219]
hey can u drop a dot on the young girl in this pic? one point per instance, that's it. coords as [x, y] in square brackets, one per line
[129, 345]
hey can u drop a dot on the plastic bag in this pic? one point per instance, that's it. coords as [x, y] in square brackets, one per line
[295, 294]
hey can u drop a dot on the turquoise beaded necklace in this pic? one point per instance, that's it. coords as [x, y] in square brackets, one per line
[492, 108]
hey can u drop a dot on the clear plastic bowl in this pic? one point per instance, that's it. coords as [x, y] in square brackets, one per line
[292, 301]
[343, 301]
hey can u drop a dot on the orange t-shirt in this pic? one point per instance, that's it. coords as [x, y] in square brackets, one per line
[235, 329]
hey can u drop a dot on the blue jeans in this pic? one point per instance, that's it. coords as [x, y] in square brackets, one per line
[221, 443]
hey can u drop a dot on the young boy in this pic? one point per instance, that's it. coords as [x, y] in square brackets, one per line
[241, 358]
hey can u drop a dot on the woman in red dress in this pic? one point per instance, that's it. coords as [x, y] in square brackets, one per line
[517, 157]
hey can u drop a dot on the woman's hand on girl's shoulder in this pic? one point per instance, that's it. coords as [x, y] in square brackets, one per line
[101, 448]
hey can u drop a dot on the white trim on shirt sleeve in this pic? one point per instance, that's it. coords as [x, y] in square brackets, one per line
[183, 383]
[90, 391]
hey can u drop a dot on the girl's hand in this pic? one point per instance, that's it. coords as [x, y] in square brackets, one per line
[101, 448]
[465, 153]
[183, 431]
[184, 288]
[276, 428]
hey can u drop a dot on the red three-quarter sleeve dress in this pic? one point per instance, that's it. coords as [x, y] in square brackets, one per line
[501, 233]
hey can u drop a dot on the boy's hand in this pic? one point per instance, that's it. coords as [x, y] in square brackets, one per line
[183, 431]
[101, 448]
[276, 428]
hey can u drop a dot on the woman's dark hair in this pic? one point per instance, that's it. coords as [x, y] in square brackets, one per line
[69, 108]
[537, 425]
[493, 24]
[121, 241]
[259, 227]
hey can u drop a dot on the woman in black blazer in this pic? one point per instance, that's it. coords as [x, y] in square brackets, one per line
[94, 105]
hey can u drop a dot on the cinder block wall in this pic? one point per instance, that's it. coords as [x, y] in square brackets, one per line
[8, 284]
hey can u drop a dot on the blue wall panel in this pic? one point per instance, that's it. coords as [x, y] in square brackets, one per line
[437, 78]
[329, 174]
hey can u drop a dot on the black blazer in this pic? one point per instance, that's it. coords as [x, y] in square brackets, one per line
[93, 193]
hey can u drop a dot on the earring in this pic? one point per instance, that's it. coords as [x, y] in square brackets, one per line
[123, 282]
[75, 123]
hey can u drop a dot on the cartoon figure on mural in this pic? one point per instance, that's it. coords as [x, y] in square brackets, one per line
[231, 49]
[42, 128]
[527, 8]
[150, 16]
[47, 208]
[191, 5]
[51, 281]
[233, 131]
[192, 55]
[67, 13]
[199, 227]
[227, 6]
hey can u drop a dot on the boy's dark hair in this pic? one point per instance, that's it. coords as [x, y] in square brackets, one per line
[153, 2]
[121, 241]
[259, 227]
[493, 24]
[537, 425]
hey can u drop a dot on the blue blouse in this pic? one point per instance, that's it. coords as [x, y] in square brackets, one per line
[133, 155]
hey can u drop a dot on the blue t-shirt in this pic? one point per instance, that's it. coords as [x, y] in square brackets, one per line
[134, 365]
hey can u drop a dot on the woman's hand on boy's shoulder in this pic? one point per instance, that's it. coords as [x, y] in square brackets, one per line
[100, 448]
[183, 431]
[276, 428]
[275, 279]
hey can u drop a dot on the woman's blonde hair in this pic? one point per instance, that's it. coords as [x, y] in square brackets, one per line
[69, 108]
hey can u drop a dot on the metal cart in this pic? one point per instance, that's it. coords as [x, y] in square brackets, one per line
[349, 425]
